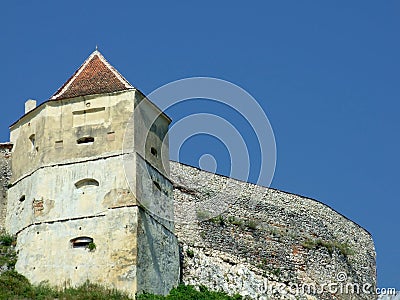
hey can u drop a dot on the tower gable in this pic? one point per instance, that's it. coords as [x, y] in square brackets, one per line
[95, 76]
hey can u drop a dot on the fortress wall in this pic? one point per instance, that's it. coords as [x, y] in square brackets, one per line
[47, 254]
[5, 174]
[266, 242]
[158, 256]
[51, 193]
[135, 251]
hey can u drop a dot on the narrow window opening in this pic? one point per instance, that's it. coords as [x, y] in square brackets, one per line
[81, 242]
[59, 144]
[85, 140]
[32, 138]
[154, 151]
[157, 185]
[86, 182]
[22, 199]
[158, 189]
[111, 136]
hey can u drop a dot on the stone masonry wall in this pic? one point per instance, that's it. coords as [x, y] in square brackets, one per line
[267, 244]
[5, 174]
[261, 243]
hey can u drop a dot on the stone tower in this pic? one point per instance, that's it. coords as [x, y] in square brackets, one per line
[90, 196]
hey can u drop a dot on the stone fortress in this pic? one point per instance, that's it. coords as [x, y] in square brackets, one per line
[80, 214]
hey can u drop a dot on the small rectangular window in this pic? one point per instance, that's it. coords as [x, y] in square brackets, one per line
[111, 136]
[59, 144]
[85, 140]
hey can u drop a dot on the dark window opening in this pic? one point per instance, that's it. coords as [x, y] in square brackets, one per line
[157, 185]
[158, 189]
[32, 138]
[59, 144]
[86, 182]
[81, 242]
[153, 151]
[85, 140]
[22, 198]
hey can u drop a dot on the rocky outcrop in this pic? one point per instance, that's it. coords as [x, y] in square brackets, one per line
[5, 174]
[267, 244]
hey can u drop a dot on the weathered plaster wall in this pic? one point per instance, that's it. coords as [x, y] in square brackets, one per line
[50, 193]
[5, 174]
[45, 252]
[151, 131]
[63, 189]
[158, 256]
[56, 131]
[155, 192]
[265, 242]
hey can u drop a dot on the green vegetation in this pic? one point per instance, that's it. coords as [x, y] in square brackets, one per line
[275, 271]
[251, 224]
[190, 253]
[208, 193]
[343, 248]
[190, 293]
[218, 220]
[203, 215]
[6, 239]
[265, 266]
[8, 257]
[235, 221]
[92, 246]
[16, 286]
[243, 224]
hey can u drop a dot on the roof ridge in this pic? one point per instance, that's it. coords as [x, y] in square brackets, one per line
[69, 83]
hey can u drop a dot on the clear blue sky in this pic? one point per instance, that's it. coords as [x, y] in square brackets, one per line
[325, 72]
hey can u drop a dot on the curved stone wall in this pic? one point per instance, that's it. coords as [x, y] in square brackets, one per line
[267, 244]
[5, 175]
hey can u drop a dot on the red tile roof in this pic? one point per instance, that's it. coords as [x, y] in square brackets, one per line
[95, 76]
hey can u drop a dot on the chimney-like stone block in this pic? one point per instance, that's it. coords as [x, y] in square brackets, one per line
[30, 105]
